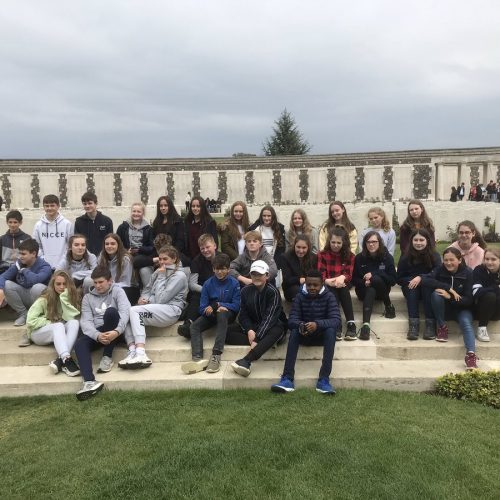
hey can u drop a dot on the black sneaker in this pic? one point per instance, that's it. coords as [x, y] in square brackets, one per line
[350, 333]
[339, 335]
[364, 332]
[242, 367]
[70, 368]
[56, 366]
[183, 330]
[390, 312]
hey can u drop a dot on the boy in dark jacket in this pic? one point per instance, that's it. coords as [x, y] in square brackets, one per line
[219, 305]
[10, 241]
[314, 319]
[262, 321]
[93, 224]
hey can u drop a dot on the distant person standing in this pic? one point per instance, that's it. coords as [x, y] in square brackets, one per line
[1, 203]
[454, 193]
[187, 202]
[461, 191]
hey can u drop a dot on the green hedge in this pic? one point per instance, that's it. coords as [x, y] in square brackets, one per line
[478, 386]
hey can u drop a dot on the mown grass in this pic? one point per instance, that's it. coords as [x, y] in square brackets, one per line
[248, 444]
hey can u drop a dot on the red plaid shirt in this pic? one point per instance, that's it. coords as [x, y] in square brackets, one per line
[330, 265]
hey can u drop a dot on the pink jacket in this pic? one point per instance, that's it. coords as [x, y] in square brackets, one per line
[472, 257]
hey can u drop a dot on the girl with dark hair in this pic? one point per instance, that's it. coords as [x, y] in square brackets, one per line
[449, 290]
[470, 243]
[300, 225]
[337, 216]
[336, 264]
[115, 257]
[198, 222]
[417, 218]
[379, 222]
[486, 291]
[233, 229]
[79, 262]
[272, 231]
[295, 264]
[53, 319]
[374, 275]
[168, 221]
[420, 258]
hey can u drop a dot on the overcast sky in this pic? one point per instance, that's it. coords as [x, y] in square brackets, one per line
[193, 78]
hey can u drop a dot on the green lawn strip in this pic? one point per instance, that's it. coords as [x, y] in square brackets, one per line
[208, 444]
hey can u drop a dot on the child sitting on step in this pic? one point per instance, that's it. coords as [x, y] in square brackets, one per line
[160, 304]
[219, 305]
[336, 264]
[105, 314]
[314, 319]
[262, 321]
[53, 319]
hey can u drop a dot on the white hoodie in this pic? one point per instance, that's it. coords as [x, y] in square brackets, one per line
[53, 236]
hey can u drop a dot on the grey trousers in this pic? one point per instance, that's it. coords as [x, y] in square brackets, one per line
[20, 298]
[221, 320]
[149, 315]
[63, 335]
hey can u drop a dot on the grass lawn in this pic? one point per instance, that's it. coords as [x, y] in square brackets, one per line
[248, 444]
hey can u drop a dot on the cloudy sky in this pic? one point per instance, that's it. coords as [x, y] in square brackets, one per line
[193, 78]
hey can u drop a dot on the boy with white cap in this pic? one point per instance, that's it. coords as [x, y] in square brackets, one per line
[262, 322]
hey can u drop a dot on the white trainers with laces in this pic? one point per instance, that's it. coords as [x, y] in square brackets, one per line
[482, 334]
[139, 361]
[89, 389]
[105, 365]
[126, 361]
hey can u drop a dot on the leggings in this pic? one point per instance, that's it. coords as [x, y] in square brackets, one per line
[343, 297]
[236, 336]
[63, 335]
[488, 308]
[378, 290]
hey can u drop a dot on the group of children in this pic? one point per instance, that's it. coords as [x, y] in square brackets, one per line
[113, 285]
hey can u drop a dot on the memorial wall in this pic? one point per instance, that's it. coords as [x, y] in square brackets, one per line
[381, 177]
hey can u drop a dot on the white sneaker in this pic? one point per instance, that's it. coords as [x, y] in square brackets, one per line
[89, 389]
[126, 361]
[195, 366]
[105, 365]
[139, 361]
[482, 334]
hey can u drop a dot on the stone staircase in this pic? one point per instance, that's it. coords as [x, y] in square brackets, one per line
[390, 362]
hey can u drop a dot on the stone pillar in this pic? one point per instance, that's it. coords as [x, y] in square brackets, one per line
[249, 187]
[170, 185]
[359, 183]
[222, 183]
[304, 185]
[35, 190]
[6, 190]
[276, 186]
[63, 190]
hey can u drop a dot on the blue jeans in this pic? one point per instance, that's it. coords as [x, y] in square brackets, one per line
[325, 337]
[463, 316]
[413, 297]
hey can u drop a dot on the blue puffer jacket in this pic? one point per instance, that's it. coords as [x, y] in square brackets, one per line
[322, 309]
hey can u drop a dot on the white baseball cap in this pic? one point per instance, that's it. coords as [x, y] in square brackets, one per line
[259, 266]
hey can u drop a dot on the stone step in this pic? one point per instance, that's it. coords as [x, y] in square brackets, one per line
[173, 349]
[397, 326]
[414, 375]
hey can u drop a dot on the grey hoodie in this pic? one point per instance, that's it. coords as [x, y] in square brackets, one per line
[94, 306]
[78, 269]
[241, 265]
[169, 287]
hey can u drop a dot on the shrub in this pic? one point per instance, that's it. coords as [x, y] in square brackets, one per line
[478, 386]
